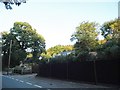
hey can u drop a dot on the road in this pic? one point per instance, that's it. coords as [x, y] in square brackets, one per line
[10, 82]
[31, 81]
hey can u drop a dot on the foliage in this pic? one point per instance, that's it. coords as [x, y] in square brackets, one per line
[111, 29]
[100, 42]
[62, 59]
[57, 49]
[53, 51]
[8, 3]
[23, 38]
[110, 49]
[47, 56]
[86, 38]
[29, 55]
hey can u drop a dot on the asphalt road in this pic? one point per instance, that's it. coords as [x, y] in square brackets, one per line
[10, 82]
[31, 81]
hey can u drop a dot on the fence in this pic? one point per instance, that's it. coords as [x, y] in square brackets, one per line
[35, 68]
[107, 71]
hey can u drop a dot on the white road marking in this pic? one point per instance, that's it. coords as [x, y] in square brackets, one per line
[4, 76]
[12, 78]
[21, 81]
[8, 76]
[28, 83]
[16, 79]
[48, 89]
[38, 86]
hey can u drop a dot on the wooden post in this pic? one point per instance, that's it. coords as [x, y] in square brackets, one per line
[9, 56]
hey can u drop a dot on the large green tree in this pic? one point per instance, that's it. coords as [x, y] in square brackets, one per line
[24, 39]
[111, 32]
[86, 38]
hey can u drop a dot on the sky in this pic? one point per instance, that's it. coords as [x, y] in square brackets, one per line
[56, 20]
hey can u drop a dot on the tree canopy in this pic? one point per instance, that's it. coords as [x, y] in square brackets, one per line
[111, 29]
[26, 42]
[86, 37]
[24, 39]
[111, 32]
[56, 50]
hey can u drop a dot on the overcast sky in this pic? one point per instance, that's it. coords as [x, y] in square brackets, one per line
[56, 20]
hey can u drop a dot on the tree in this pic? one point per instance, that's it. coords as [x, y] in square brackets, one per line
[86, 38]
[24, 39]
[59, 48]
[111, 48]
[111, 29]
[8, 3]
[51, 52]
[38, 46]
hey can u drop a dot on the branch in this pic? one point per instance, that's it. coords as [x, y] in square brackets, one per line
[8, 3]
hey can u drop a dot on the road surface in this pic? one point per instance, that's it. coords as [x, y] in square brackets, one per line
[31, 81]
[10, 82]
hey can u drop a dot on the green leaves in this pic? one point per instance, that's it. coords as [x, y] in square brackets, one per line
[59, 48]
[53, 51]
[8, 3]
[23, 38]
[111, 29]
[85, 36]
